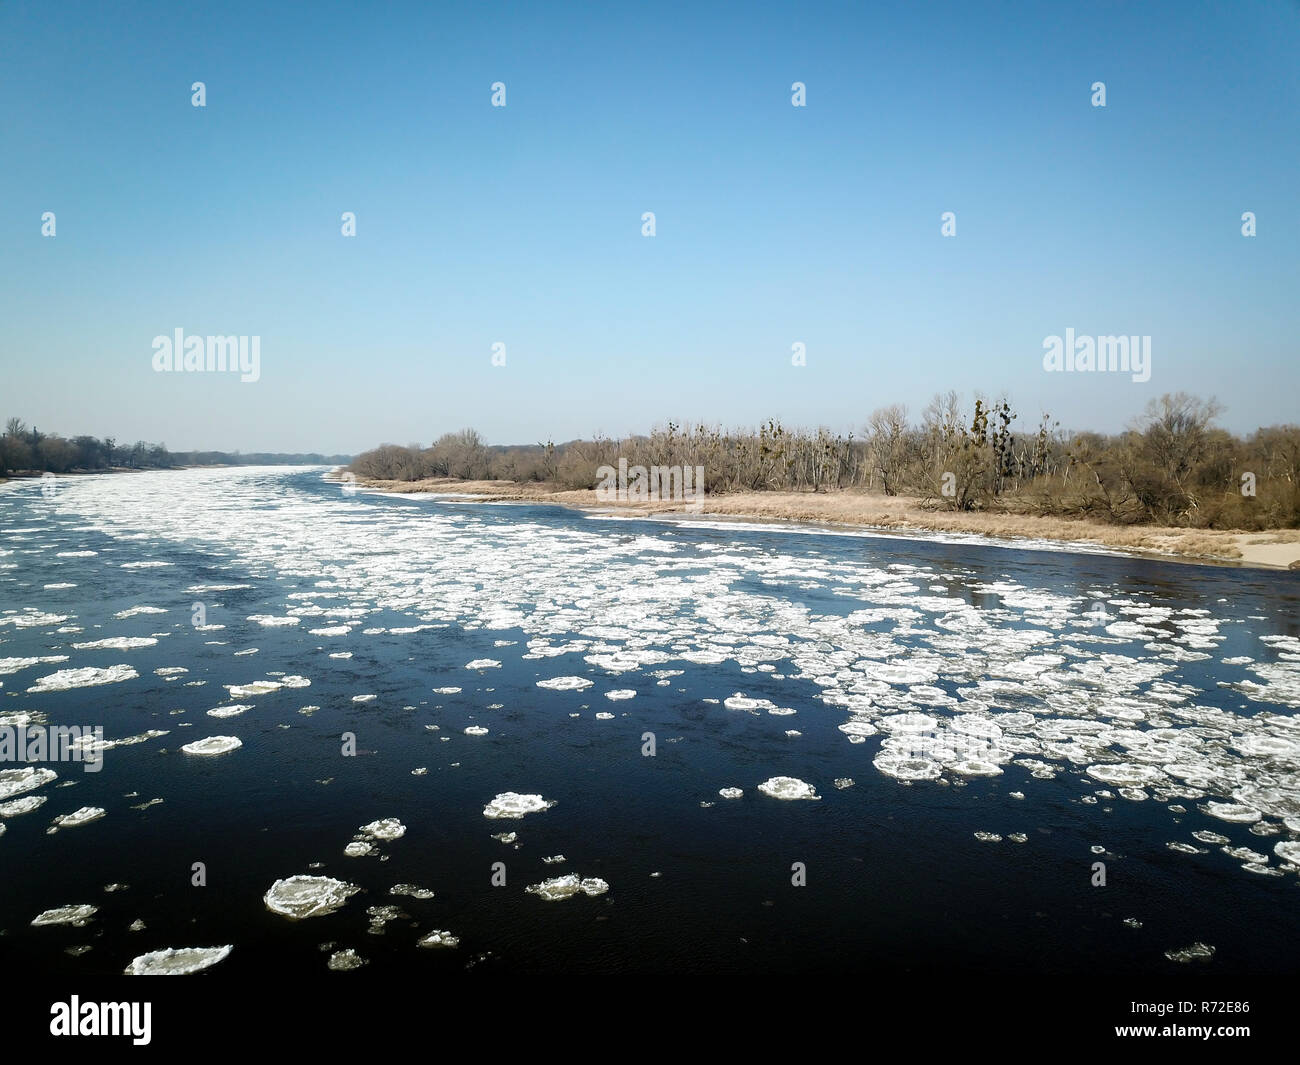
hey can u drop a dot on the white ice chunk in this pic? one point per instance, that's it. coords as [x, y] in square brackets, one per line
[514, 805]
[308, 896]
[177, 961]
[213, 745]
[788, 788]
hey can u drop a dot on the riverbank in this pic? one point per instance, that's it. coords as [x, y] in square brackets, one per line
[1273, 549]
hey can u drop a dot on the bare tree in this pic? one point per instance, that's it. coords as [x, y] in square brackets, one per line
[887, 431]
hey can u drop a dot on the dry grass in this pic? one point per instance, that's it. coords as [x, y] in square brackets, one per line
[904, 514]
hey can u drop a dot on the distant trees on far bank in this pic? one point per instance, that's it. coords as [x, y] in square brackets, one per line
[28, 450]
[1172, 466]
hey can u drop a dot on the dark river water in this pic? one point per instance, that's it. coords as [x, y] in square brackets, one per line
[988, 731]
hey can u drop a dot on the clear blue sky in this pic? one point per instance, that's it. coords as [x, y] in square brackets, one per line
[522, 224]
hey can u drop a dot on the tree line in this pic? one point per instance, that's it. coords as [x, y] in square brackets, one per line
[26, 450]
[1173, 465]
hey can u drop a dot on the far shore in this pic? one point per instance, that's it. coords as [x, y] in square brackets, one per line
[31, 475]
[1271, 549]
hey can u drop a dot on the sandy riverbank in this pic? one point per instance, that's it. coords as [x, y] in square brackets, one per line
[1278, 549]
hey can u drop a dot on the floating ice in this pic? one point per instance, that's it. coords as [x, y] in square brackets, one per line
[602, 715]
[24, 805]
[133, 611]
[565, 887]
[731, 793]
[381, 915]
[1196, 952]
[345, 960]
[446, 691]
[1126, 773]
[483, 663]
[1288, 852]
[229, 711]
[177, 961]
[788, 788]
[249, 691]
[514, 805]
[903, 767]
[439, 938]
[16, 781]
[308, 896]
[476, 730]
[740, 701]
[410, 890]
[116, 643]
[973, 767]
[565, 684]
[213, 745]
[387, 829]
[77, 916]
[87, 677]
[1231, 811]
[82, 816]
[910, 722]
[621, 693]
[13, 665]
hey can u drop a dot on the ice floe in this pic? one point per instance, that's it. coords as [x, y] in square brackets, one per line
[298, 897]
[388, 829]
[345, 960]
[177, 961]
[1195, 952]
[17, 781]
[565, 887]
[25, 805]
[76, 915]
[85, 677]
[788, 788]
[1288, 851]
[83, 816]
[514, 805]
[411, 890]
[234, 710]
[565, 684]
[13, 665]
[212, 745]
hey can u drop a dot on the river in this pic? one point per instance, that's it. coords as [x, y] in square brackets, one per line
[950, 756]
